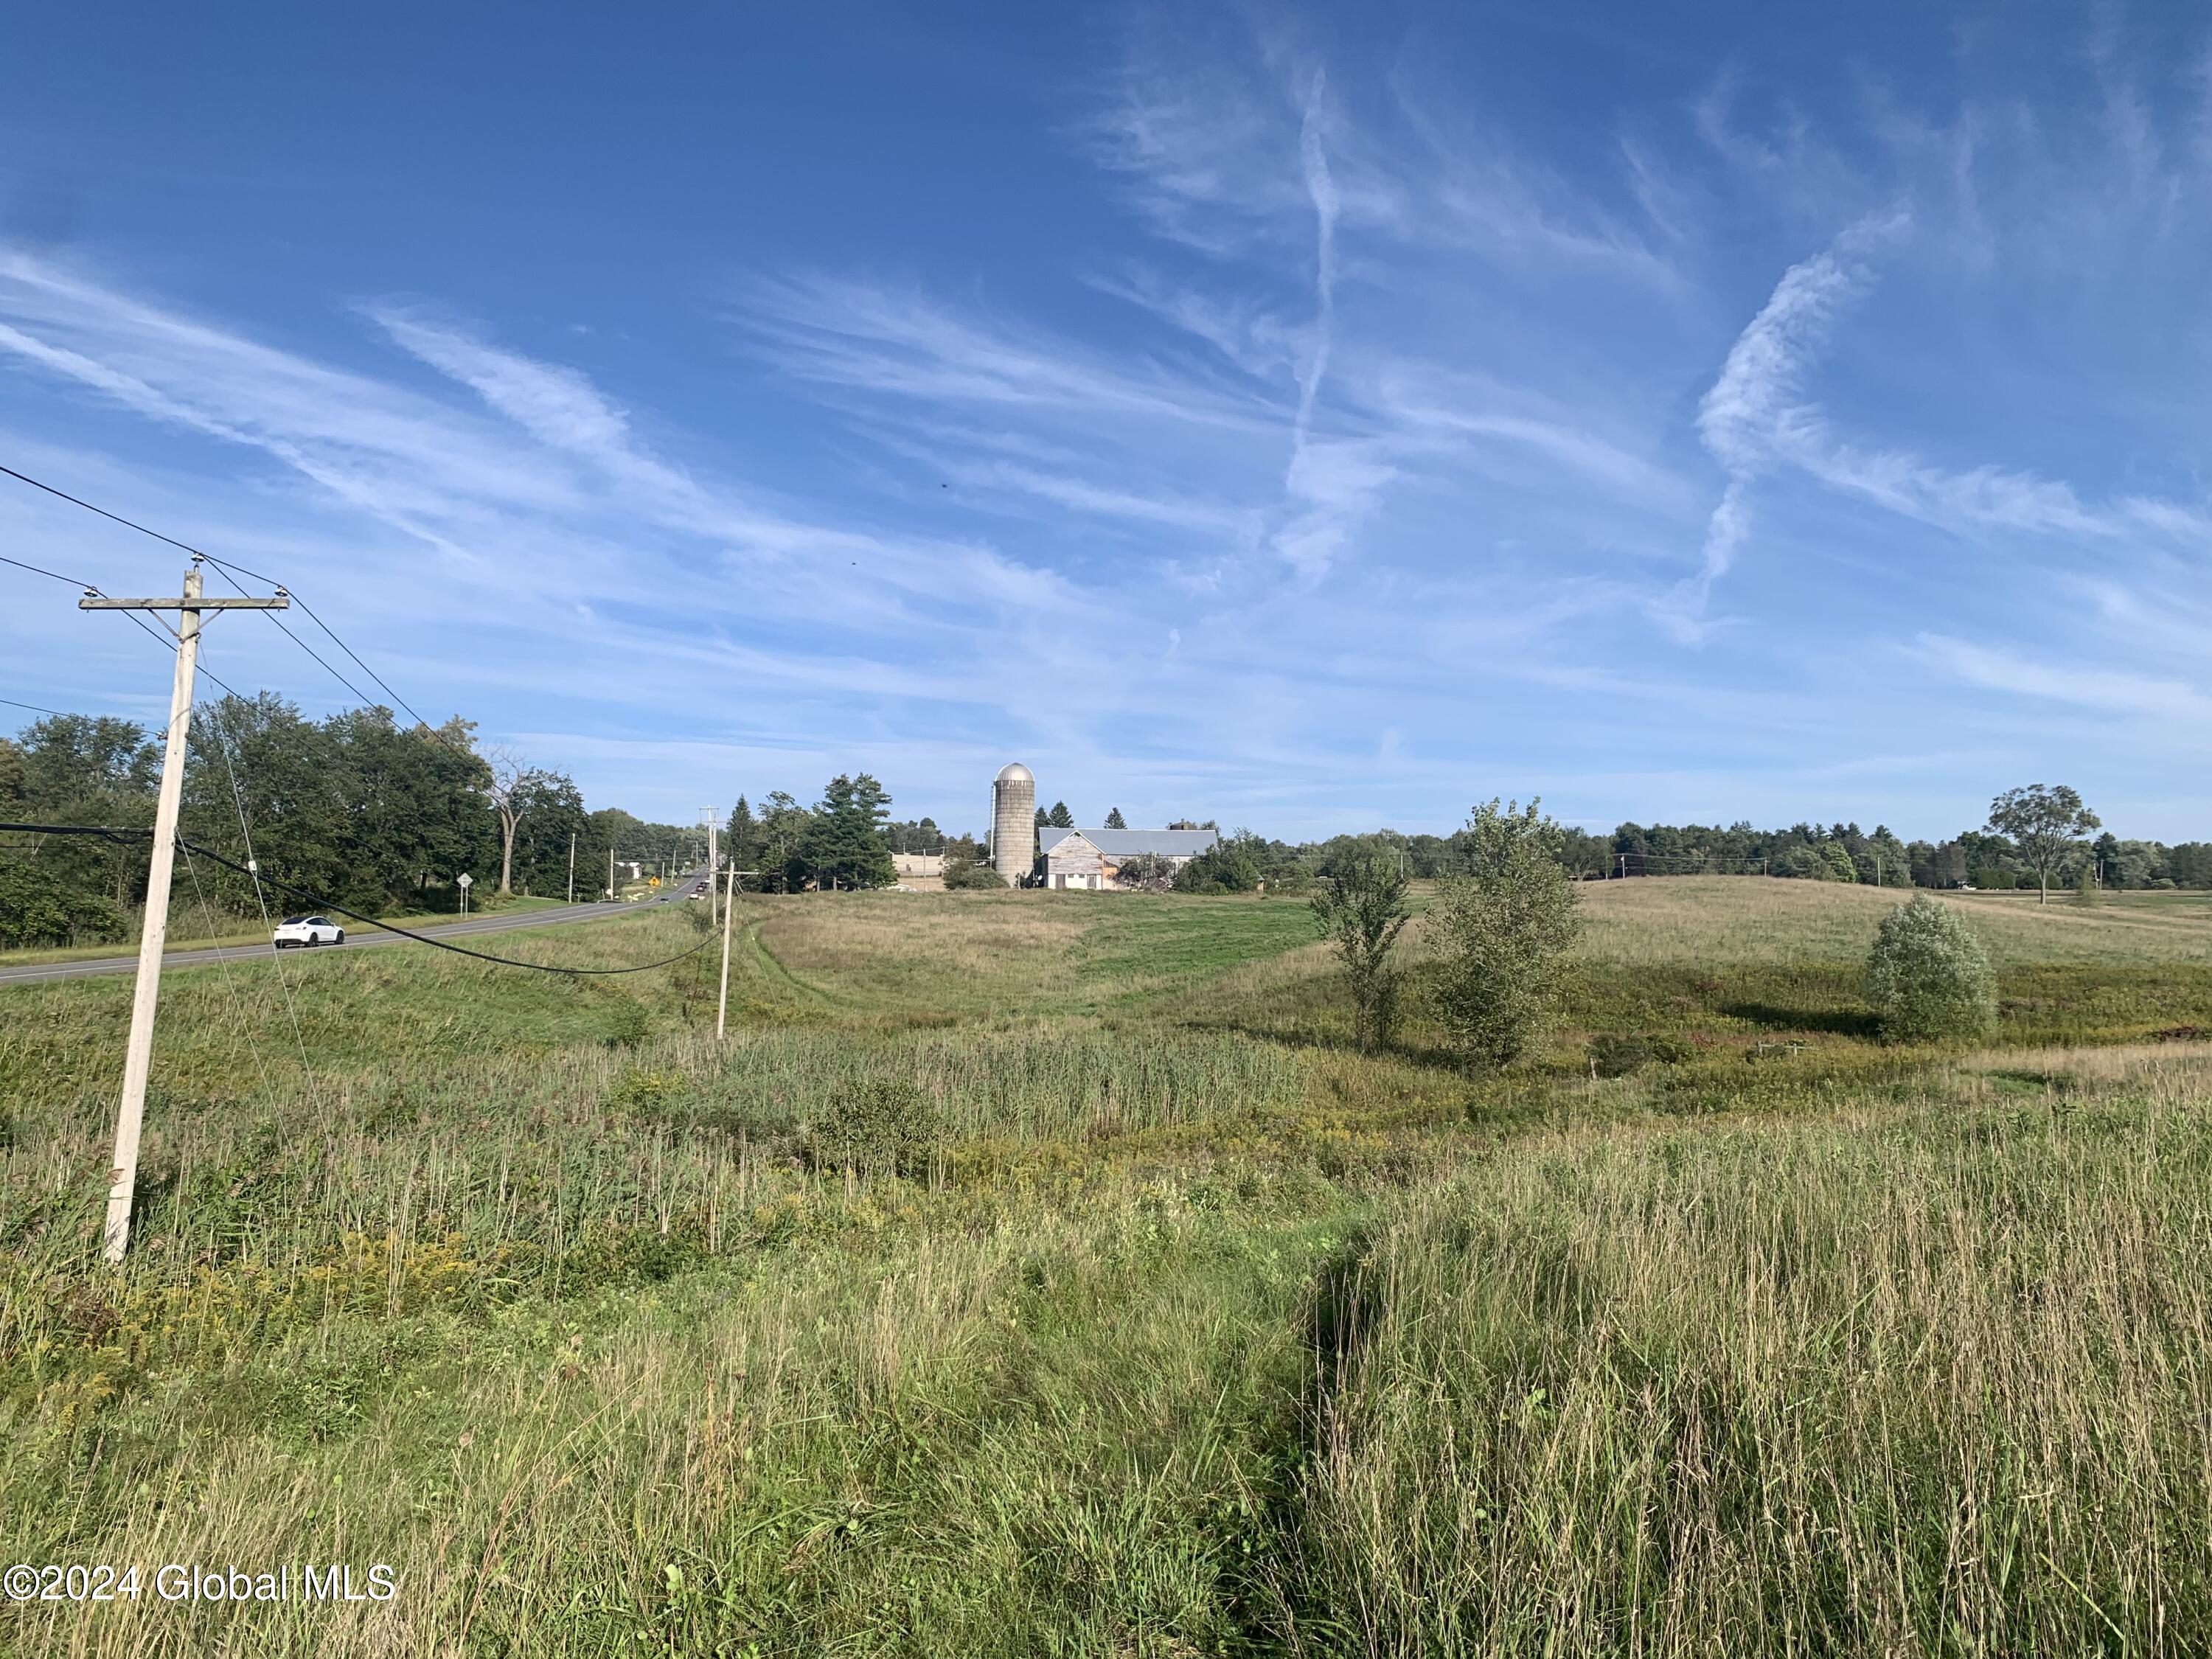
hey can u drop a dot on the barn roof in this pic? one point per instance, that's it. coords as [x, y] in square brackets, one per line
[1129, 843]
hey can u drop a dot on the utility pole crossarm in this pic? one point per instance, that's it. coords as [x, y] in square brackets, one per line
[138, 1051]
[282, 601]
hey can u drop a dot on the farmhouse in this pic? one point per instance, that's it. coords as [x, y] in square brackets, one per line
[1092, 858]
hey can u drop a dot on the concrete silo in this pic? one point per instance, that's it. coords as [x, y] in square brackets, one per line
[1013, 824]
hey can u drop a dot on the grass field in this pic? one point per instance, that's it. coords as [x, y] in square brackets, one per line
[1148, 1318]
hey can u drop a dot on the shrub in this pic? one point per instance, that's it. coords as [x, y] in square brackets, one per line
[879, 1125]
[977, 875]
[1929, 977]
[1505, 929]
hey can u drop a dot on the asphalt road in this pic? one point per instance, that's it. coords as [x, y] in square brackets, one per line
[475, 927]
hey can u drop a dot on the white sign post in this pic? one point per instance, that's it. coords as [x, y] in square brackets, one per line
[463, 881]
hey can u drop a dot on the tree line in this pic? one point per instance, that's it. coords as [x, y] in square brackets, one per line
[1989, 857]
[353, 810]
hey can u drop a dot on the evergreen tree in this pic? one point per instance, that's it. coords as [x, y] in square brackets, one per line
[846, 845]
[1061, 818]
[741, 838]
[1114, 819]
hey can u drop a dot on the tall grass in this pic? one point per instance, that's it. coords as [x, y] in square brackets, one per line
[1934, 1381]
[1192, 1331]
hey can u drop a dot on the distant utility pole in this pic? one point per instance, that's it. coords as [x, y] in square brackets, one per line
[572, 866]
[713, 863]
[611, 869]
[729, 908]
[137, 1057]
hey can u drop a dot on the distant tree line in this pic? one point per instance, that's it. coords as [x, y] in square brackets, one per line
[1841, 852]
[354, 809]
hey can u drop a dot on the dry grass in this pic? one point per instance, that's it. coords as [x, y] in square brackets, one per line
[1728, 921]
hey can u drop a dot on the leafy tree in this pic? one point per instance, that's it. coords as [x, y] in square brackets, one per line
[1232, 865]
[75, 768]
[1114, 819]
[785, 826]
[541, 855]
[34, 910]
[1360, 907]
[2106, 853]
[2048, 823]
[845, 845]
[1505, 929]
[1928, 976]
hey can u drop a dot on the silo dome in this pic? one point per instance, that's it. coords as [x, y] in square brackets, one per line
[1015, 772]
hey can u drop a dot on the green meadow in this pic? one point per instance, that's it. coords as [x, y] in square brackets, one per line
[1046, 1274]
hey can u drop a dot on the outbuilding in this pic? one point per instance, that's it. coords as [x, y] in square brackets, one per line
[1091, 859]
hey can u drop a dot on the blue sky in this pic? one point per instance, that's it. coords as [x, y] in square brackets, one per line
[1307, 419]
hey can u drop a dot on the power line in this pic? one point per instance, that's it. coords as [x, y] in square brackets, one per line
[117, 834]
[226, 568]
[382, 684]
[41, 570]
[221, 727]
[35, 708]
[117, 518]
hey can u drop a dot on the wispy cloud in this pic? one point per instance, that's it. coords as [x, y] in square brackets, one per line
[2103, 690]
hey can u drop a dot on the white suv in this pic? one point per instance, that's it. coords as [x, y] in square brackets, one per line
[309, 930]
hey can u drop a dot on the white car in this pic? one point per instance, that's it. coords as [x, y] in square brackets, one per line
[309, 930]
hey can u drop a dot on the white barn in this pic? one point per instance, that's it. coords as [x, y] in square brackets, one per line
[1091, 859]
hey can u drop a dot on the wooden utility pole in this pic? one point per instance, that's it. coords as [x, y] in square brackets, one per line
[137, 1057]
[610, 870]
[572, 866]
[712, 887]
[729, 908]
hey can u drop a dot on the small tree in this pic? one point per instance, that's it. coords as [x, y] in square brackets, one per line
[1929, 977]
[1505, 928]
[1059, 817]
[2047, 822]
[1114, 819]
[1360, 906]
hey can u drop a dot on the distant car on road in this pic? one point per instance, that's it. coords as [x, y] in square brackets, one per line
[309, 930]
[698, 890]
